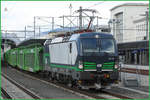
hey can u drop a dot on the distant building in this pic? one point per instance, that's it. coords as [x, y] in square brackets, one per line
[122, 20]
[8, 41]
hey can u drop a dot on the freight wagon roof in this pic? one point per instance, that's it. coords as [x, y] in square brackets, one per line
[31, 41]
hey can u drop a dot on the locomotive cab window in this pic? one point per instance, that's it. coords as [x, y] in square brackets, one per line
[94, 46]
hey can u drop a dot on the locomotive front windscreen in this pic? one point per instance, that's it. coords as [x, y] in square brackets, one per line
[97, 45]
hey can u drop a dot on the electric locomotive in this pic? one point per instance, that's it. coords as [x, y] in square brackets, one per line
[87, 60]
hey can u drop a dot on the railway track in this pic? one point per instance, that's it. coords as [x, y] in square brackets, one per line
[84, 93]
[27, 91]
[4, 94]
[116, 95]
[93, 93]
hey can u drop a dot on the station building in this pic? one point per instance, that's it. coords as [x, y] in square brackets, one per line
[123, 19]
[129, 26]
[134, 53]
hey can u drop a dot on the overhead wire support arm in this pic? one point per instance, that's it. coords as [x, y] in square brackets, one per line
[71, 21]
[16, 31]
[82, 11]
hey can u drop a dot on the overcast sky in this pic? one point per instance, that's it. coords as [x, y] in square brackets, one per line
[17, 14]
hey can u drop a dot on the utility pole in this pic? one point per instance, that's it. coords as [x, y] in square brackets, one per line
[39, 31]
[63, 22]
[97, 21]
[70, 15]
[34, 27]
[52, 23]
[80, 18]
[25, 30]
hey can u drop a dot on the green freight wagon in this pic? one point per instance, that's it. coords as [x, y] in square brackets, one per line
[13, 54]
[32, 58]
[20, 60]
[30, 55]
[7, 56]
[11, 57]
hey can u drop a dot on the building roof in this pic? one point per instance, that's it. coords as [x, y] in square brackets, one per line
[10, 36]
[133, 45]
[129, 4]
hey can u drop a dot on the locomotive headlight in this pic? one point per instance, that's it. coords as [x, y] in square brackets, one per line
[96, 36]
[80, 65]
[116, 67]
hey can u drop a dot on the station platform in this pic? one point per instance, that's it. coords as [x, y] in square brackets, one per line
[135, 75]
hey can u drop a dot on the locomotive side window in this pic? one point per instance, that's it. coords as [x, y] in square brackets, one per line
[70, 47]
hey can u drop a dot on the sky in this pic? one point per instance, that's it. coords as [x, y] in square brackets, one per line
[15, 15]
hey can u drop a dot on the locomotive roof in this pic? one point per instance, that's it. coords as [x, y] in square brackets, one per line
[90, 35]
[82, 35]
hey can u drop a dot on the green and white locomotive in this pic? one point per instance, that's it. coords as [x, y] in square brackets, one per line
[87, 60]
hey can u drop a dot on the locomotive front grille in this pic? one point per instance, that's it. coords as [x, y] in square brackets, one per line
[89, 66]
[108, 66]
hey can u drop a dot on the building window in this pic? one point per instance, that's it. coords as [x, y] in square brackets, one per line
[119, 27]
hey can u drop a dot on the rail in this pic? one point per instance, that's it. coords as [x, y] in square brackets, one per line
[4, 94]
[27, 91]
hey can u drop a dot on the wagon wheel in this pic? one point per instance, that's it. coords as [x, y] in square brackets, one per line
[69, 84]
[50, 77]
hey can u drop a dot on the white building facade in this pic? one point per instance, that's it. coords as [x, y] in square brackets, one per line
[142, 28]
[122, 21]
